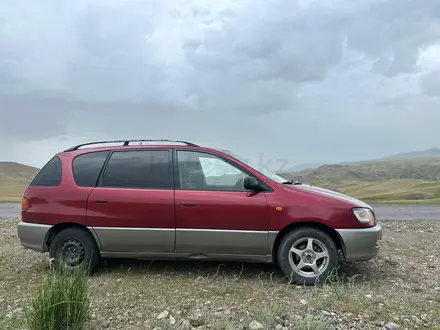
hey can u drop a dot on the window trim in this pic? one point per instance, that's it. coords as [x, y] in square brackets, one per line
[100, 172]
[265, 186]
[31, 184]
[170, 164]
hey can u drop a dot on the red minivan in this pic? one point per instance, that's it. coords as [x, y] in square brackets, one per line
[163, 199]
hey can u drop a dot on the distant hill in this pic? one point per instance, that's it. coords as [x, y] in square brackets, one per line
[407, 177]
[432, 153]
[17, 171]
[429, 153]
[413, 165]
[14, 178]
[301, 167]
[420, 169]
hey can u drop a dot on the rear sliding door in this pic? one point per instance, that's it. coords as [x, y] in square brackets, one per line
[132, 207]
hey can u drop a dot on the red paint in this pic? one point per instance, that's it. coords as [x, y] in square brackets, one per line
[53, 205]
[221, 210]
[134, 208]
[300, 206]
[164, 209]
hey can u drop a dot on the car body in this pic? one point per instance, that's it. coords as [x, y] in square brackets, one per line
[173, 199]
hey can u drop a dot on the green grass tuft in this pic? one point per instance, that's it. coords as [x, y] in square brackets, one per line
[313, 322]
[61, 302]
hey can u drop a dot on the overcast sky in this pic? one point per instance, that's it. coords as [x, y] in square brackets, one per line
[306, 81]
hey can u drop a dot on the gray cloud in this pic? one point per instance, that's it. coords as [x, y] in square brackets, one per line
[430, 83]
[322, 80]
[392, 34]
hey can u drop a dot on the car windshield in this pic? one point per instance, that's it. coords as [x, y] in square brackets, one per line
[271, 175]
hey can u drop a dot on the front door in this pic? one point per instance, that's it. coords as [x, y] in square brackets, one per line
[215, 215]
[132, 208]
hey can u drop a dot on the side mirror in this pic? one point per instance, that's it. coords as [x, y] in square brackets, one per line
[250, 183]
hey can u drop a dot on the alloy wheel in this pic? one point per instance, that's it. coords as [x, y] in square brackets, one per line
[308, 257]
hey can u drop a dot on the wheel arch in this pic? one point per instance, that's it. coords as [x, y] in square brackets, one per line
[54, 230]
[337, 239]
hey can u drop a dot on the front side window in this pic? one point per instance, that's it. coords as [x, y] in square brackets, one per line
[203, 171]
[139, 169]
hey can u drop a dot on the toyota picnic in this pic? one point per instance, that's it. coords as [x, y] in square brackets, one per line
[164, 199]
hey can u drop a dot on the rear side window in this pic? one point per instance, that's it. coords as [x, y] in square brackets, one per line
[87, 167]
[49, 175]
[142, 169]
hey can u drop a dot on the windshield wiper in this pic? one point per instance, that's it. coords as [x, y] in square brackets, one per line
[292, 182]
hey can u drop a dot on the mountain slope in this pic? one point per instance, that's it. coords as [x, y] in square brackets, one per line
[405, 178]
[14, 178]
[432, 153]
[419, 169]
[13, 170]
[429, 153]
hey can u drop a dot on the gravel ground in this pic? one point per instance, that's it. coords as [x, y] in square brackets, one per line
[402, 285]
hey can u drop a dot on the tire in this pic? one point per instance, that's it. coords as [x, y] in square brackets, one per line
[82, 246]
[312, 266]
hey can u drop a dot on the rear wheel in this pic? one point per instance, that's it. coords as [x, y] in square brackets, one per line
[73, 248]
[307, 256]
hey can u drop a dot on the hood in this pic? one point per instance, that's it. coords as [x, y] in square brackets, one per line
[330, 193]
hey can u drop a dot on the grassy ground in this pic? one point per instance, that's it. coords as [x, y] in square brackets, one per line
[10, 199]
[396, 191]
[11, 190]
[401, 285]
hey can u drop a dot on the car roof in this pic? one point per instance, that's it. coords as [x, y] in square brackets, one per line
[132, 145]
[126, 143]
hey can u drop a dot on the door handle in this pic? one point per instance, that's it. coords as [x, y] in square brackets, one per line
[187, 204]
[101, 201]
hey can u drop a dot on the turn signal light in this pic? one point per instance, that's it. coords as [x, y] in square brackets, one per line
[25, 205]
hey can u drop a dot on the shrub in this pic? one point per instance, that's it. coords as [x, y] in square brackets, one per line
[61, 302]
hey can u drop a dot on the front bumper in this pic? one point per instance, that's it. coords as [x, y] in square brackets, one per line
[32, 235]
[362, 243]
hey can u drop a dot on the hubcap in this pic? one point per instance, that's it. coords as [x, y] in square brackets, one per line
[308, 257]
[72, 252]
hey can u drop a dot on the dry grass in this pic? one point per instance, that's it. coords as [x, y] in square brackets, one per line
[14, 179]
[11, 190]
[394, 191]
[401, 285]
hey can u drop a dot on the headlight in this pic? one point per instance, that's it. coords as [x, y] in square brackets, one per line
[364, 215]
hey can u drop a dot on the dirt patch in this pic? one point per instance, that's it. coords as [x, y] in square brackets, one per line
[402, 285]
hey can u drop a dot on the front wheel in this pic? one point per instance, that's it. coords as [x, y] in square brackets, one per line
[74, 248]
[307, 256]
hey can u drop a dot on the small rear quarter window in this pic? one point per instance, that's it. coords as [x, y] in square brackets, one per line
[87, 167]
[50, 175]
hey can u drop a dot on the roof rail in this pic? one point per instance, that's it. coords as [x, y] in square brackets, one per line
[127, 143]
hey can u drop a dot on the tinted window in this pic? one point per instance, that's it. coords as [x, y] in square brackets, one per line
[148, 169]
[49, 175]
[203, 171]
[86, 168]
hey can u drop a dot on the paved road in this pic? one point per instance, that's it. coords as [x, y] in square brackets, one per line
[407, 212]
[9, 210]
[383, 212]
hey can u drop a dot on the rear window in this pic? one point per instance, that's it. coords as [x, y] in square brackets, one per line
[142, 169]
[87, 167]
[49, 175]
